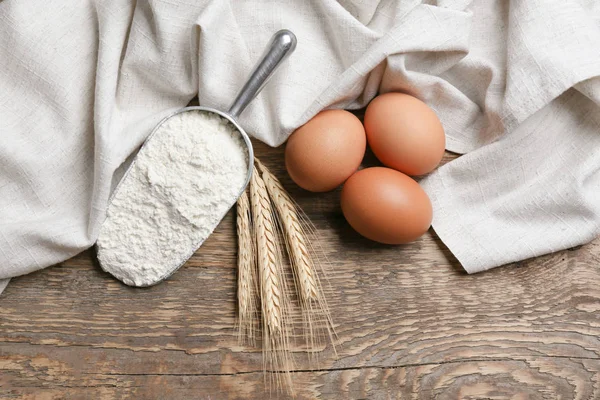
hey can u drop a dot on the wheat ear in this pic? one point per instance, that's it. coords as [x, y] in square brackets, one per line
[267, 255]
[247, 286]
[272, 282]
[294, 234]
[310, 292]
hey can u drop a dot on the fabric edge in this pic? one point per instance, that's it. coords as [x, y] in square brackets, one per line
[449, 228]
[3, 284]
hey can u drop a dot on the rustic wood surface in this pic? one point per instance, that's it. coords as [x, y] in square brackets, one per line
[411, 324]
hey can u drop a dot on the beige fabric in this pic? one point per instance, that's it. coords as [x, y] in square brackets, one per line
[82, 83]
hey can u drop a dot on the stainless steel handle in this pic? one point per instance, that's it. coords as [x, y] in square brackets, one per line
[282, 44]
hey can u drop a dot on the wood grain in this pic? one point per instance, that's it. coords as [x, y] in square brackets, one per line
[411, 324]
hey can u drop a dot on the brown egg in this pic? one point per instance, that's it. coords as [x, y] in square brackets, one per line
[324, 152]
[404, 133]
[386, 206]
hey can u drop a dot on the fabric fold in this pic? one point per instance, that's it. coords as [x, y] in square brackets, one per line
[496, 206]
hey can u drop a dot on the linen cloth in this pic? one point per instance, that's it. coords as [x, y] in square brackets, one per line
[515, 83]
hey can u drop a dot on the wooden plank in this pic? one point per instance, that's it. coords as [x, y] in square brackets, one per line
[539, 378]
[411, 324]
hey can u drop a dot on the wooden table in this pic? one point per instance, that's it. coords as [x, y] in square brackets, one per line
[411, 324]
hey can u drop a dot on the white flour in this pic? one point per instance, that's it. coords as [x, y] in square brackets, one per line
[182, 183]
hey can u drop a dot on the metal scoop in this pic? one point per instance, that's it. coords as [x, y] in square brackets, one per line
[282, 44]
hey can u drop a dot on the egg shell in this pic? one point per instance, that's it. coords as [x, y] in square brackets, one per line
[324, 152]
[404, 133]
[386, 206]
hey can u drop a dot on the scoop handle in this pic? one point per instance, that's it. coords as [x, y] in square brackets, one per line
[282, 44]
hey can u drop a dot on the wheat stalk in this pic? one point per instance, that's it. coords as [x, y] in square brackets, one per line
[296, 227]
[246, 272]
[272, 283]
[269, 214]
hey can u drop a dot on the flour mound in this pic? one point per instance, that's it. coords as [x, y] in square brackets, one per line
[183, 181]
